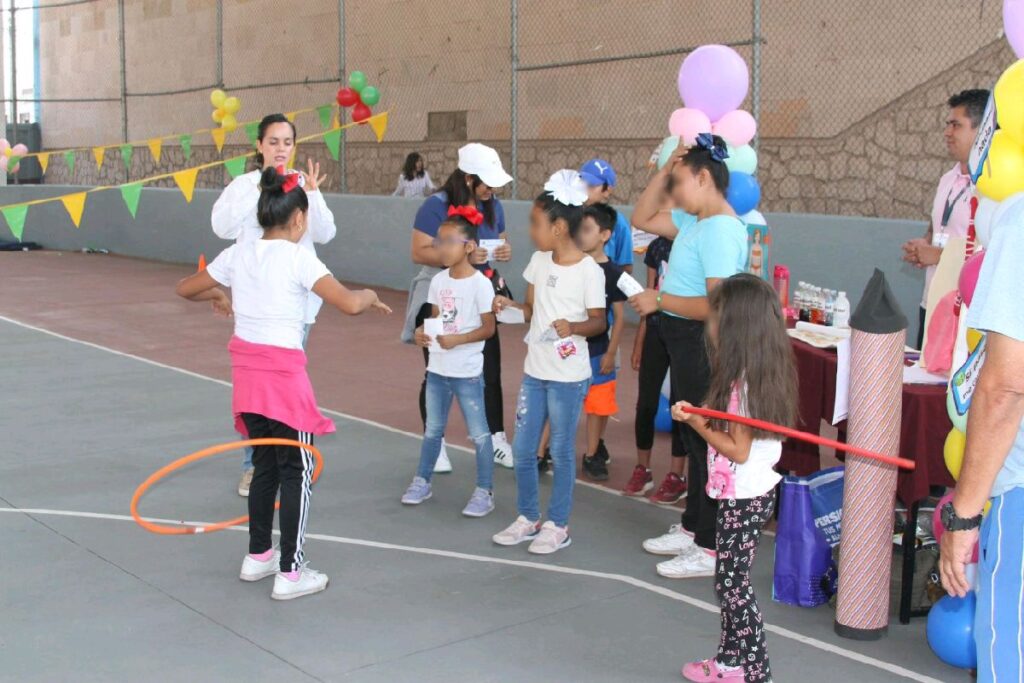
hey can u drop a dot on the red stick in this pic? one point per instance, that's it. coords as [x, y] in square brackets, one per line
[803, 436]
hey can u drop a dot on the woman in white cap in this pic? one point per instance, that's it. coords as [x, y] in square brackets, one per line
[471, 184]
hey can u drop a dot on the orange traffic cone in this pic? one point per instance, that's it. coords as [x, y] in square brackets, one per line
[202, 263]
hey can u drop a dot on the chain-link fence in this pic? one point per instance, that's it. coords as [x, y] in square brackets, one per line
[849, 95]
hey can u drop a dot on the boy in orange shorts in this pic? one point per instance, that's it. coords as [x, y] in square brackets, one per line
[595, 231]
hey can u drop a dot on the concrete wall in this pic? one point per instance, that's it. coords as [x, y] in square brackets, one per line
[372, 246]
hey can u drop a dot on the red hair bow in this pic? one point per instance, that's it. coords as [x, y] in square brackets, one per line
[470, 213]
[291, 180]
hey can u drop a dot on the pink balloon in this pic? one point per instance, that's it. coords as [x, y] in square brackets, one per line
[1013, 25]
[969, 277]
[737, 127]
[19, 150]
[714, 79]
[937, 528]
[688, 124]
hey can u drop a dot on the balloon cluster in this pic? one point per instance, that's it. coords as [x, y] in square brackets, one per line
[713, 82]
[1003, 173]
[359, 96]
[224, 109]
[10, 157]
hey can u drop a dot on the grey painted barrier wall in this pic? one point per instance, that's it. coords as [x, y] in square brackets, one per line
[372, 246]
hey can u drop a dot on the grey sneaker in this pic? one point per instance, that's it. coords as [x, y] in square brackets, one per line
[418, 491]
[245, 482]
[480, 505]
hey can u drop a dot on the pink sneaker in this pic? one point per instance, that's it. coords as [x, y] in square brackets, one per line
[709, 671]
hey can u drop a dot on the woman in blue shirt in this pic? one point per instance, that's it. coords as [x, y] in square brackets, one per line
[709, 245]
[471, 184]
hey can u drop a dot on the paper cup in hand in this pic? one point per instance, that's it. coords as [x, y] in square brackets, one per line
[628, 285]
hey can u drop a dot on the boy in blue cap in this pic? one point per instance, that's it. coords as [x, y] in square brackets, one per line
[600, 178]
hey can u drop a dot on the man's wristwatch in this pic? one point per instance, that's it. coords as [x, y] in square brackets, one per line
[952, 522]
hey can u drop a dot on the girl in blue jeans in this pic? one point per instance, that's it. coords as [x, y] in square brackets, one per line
[460, 298]
[565, 304]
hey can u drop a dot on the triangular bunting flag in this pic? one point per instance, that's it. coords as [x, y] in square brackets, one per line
[218, 137]
[126, 154]
[290, 116]
[44, 160]
[15, 216]
[333, 141]
[325, 116]
[202, 262]
[186, 146]
[69, 159]
[155, 147]
[130, 193]
[235, 166]
[252, 131]
[75, 204]
[98, 152]
[379, 123]
[186, 181]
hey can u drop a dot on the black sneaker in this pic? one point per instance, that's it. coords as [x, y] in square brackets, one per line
[595, 468]
[544, 464]
[602, 452]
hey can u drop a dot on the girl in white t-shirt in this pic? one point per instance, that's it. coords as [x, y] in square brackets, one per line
[752, 375]
[270, 280]
[461, 321]
[565, 304]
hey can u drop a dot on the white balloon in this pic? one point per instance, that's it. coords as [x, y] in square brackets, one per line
[983, 219]
[666, 387]
[754, 217]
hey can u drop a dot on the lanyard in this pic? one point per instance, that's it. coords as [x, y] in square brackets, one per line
[947, 211]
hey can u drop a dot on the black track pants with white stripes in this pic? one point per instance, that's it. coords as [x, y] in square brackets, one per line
[286, 468]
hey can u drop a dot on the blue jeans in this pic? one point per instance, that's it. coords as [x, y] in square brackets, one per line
[470, 393]
[247, 458]
[559, 403]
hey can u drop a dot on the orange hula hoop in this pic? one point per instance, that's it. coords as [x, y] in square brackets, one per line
[186, 529]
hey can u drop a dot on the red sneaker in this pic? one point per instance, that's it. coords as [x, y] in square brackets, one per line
[640, 483]
[671, 491]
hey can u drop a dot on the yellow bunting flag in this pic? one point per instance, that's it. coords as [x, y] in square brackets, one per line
[98, 152]
[75, 204]
[44, 160]
[379, 123]
[291, 116]
[155, 147]
[218, 137]
[186, 181]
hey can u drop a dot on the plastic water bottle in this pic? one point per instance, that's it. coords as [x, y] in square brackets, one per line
[842, 311]
[830, 307]
[802, 304]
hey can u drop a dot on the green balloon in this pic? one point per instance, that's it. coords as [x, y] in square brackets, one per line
[370, 96]
[357, 81]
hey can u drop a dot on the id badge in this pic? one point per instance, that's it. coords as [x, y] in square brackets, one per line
[940, 240]
[566, 348]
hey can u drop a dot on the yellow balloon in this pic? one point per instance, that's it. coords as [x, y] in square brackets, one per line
[232, 105]
[217, 98]
[953, 452]
[218, 115]
[229, 123]
[8, 152]
[1003, 174]
[1009, 95]
[973, 339]
[988, 506]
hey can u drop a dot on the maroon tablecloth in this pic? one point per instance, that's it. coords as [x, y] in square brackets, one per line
[923, 431]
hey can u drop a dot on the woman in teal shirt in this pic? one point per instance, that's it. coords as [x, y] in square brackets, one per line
[709, 245]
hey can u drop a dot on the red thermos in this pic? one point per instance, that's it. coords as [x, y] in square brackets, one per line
[782, 285]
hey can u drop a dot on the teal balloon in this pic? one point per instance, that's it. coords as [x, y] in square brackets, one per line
[357, 81]
[742, 159]
[668, 145]
[959, 421]
[369, 95]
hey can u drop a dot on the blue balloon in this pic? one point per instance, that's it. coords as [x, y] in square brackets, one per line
[663, 418]
[744, 192]
[951, 631]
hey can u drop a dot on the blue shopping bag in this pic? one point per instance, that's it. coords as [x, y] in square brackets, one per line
[803, 557]
[826, 489]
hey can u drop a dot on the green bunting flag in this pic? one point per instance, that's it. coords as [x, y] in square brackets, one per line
[186, 146]
[130, 193]
[126, 154]
[333, 141]
[325, 115]
[235, 166]
[15, 217]
[69, 158]
[252, 130]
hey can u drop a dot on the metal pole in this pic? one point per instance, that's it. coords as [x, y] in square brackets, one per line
[514, 87]
[124, 74]
[342, 162]
[755, 95]
[14, 84]
[220, 44]
[3, 109]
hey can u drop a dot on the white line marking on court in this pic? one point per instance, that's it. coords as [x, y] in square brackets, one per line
[556, 569]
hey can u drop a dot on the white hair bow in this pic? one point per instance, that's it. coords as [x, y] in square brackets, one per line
[567, 187]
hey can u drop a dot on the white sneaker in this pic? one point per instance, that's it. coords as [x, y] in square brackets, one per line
[551, 539]
[674, 542]
[690, 564]
[310, 581]
[502, 450]
[519, 531]
[443, 464]
[254, 570]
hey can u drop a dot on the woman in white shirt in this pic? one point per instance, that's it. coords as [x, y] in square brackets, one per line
[414, 182]
[234, 217]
